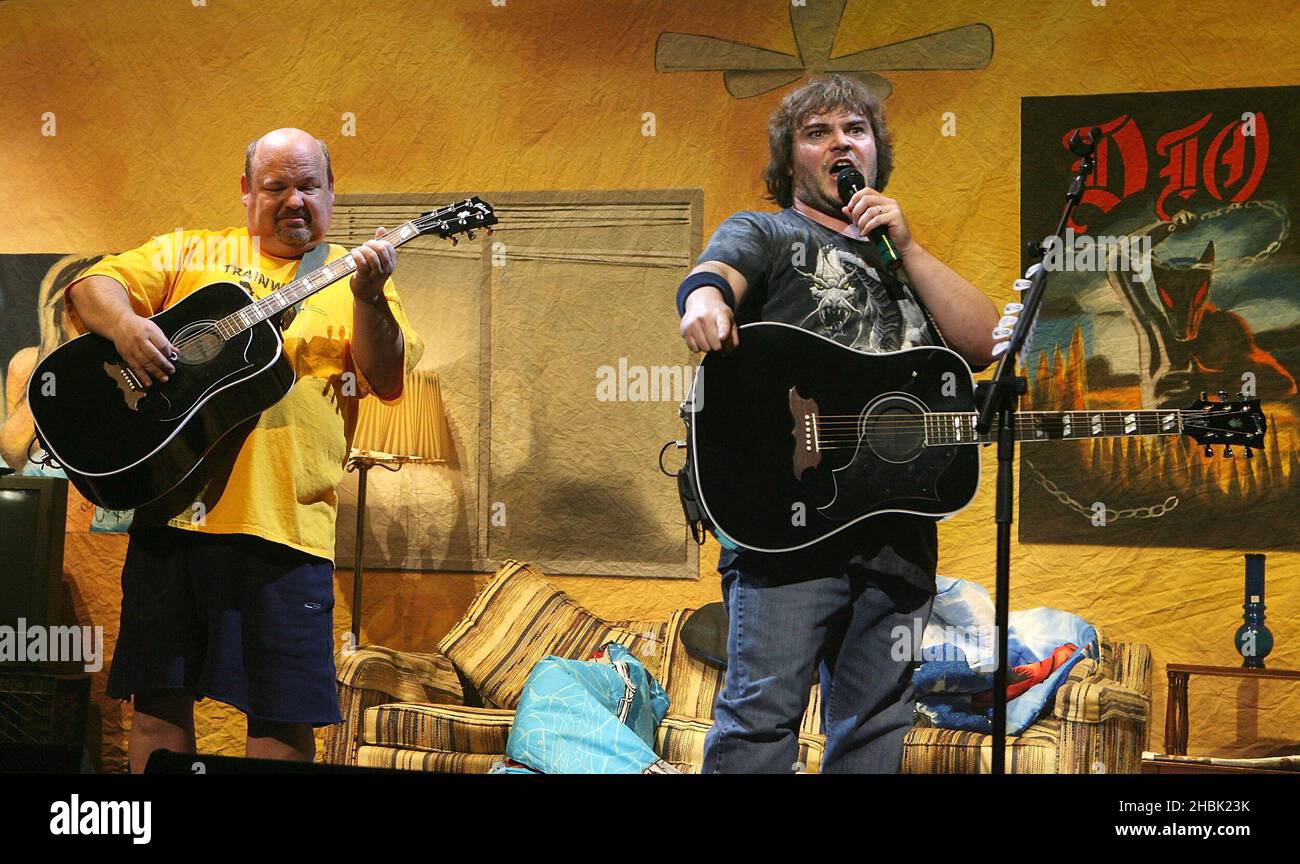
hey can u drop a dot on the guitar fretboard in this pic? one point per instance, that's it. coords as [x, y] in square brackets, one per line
[959, 428]
[303, 287]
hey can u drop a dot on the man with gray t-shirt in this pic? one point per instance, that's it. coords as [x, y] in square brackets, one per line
[830, 608]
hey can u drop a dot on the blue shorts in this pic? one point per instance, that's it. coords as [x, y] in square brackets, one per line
[231, 617]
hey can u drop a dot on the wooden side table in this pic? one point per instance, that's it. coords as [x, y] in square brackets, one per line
[1176, 703]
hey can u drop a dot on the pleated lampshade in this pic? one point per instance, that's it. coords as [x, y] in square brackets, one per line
[413, 430]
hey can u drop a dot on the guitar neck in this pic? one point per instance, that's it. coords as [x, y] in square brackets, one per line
[959, 428]
[305, 286]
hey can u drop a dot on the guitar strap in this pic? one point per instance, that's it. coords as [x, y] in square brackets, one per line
[688, 489]
[314, 259]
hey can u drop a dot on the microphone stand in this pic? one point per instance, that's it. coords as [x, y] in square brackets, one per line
[998, 398]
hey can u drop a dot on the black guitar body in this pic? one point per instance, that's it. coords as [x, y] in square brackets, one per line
[124, 446]
[795, 437]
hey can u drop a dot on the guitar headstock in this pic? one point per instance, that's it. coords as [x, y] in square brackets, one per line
[1227, 422]
[464, 218]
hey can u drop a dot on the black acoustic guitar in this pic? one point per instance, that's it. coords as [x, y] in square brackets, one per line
[794, 437]
[124, 445]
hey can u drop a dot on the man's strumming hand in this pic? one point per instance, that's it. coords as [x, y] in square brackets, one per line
[144, 347]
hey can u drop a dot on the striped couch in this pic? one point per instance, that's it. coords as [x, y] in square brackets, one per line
[451, 711]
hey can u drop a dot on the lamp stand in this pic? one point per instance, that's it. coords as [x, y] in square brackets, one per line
[362, 464]
[363, 467]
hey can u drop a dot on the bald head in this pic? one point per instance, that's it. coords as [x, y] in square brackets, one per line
[286, 137]
[288, 188]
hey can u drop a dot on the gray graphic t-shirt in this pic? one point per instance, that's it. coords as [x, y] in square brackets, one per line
[805, 274]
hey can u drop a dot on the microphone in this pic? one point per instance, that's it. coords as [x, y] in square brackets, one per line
[850, 181]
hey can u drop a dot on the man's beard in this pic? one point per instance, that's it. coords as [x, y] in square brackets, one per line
[815, 196]
[291, 235]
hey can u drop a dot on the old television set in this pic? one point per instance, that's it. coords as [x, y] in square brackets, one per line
[33, 515]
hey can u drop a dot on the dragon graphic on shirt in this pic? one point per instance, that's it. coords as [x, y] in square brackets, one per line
[854, 308]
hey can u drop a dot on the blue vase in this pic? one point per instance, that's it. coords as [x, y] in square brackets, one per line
[1253, 639]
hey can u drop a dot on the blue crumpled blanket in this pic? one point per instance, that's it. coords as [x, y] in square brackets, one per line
[588, 717]
[958, 657]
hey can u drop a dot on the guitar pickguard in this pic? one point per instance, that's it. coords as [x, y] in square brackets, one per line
[891, 463]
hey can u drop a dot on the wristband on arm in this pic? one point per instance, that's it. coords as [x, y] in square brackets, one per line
[699, 280]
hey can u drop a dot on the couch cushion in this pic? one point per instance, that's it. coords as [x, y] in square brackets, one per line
[377, 675]
[404, 675]
[519, 618]
[437, 761]
[930, 750]
[654, 635]
[1130, 665]
[693, 685]
[454, 728]
[680, 742]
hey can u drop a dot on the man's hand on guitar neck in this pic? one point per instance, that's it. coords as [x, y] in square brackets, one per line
[377, 342]
[709, 323]
[375, 261]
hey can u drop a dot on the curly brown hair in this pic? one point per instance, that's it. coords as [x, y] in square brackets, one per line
[818, 96]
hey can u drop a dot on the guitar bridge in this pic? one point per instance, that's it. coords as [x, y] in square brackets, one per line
[807, 448]
[127, 382]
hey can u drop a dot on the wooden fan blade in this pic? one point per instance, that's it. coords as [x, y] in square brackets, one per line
[815, 26]
[686, 52]
[743, 85]
[967, 47]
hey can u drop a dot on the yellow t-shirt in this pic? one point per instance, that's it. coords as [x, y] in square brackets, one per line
[283, 483]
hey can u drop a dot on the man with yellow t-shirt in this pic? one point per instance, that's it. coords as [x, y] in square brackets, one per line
[231, 598]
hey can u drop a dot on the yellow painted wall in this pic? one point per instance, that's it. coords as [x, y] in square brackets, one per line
[154, 101]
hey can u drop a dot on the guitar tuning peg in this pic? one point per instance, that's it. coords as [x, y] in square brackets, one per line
[1240, 397]
[1249, 454]
[1209, 452]
[1227, 450]
[455, 241]
[1204, 396]
[470, 234]
[1223, 395]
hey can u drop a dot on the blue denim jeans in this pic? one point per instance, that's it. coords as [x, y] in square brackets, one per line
[783, 629]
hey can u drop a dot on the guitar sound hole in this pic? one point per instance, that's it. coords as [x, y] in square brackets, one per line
[197, 350]
[894, 431]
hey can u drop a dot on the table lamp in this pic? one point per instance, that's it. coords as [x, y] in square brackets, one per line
[410, 432]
